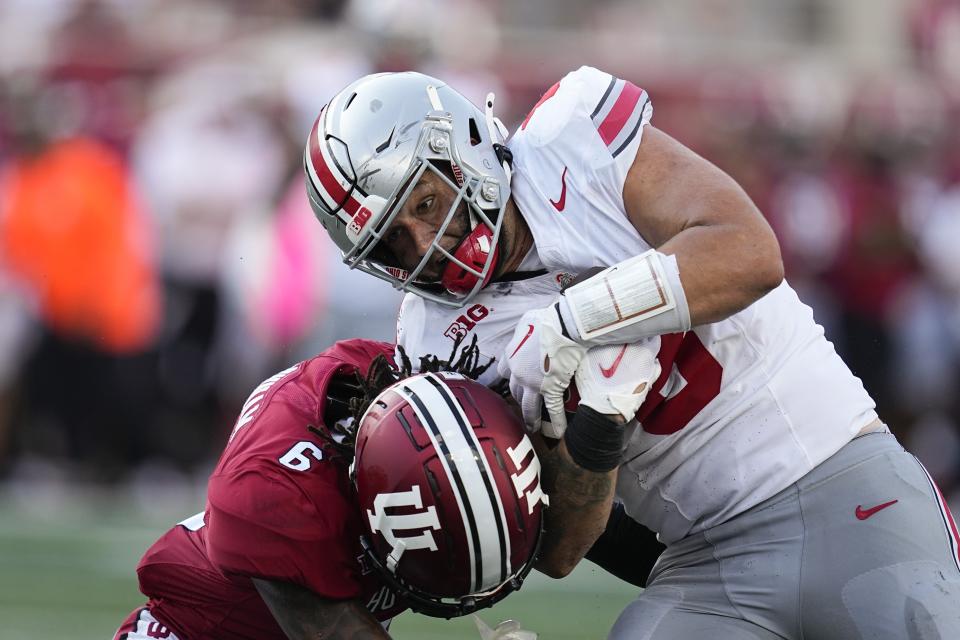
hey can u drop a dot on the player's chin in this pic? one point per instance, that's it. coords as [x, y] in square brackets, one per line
[429, 282]
[430, 278]
[433, 274]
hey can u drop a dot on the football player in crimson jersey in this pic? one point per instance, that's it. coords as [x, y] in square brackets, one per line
[292, 544]
[787, 507]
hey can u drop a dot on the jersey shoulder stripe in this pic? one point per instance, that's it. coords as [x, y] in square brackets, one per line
[589, 116]
[619, 114]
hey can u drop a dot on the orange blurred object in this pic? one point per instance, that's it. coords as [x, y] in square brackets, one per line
[72, 229]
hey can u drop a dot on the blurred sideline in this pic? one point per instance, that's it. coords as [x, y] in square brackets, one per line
[158, 258]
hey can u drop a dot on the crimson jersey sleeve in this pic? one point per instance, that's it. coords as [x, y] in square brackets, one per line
[280, 505]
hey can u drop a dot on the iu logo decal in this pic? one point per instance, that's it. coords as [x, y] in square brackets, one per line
[389, 524]
[527, 480]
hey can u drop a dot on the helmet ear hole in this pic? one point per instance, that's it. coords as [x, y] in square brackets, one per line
[475, 138]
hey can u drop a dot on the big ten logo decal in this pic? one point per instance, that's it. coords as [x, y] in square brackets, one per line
[459, 328]
[359, 221]
[389, 524]
[526, 482]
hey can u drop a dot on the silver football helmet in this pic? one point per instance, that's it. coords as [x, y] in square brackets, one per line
[370, 146]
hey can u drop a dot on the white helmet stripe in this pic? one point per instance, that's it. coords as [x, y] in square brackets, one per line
[496, 504]
[468, 472]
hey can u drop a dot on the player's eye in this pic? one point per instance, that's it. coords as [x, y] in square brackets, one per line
[425, 205]
[393, 235]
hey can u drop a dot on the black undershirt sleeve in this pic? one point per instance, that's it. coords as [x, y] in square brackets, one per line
[626, 548]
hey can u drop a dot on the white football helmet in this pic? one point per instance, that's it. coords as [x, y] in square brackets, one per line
[368, 149]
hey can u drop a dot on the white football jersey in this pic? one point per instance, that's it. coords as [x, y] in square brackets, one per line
[743, 407]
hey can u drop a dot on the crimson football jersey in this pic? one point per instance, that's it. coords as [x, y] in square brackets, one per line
[280, 506]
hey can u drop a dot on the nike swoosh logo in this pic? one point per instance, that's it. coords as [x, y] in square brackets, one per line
[524, 339]
[562, 202]
[863, 514]
[612, 369]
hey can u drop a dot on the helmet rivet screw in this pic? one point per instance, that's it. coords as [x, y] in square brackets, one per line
[438, 143]
[489, 191]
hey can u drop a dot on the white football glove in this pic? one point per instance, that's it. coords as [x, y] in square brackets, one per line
[540, 362]
[506, 630]
[614, 379]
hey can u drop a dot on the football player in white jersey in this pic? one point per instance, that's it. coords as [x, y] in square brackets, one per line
[787, 507]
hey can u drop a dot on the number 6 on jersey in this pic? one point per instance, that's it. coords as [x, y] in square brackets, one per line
[296, 458]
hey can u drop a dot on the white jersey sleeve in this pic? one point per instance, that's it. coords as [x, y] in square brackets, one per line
[571, 158]
[598, 116]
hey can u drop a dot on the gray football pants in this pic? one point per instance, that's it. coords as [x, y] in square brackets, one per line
[831, 557]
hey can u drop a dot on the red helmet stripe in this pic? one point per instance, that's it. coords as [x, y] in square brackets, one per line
[321, 168]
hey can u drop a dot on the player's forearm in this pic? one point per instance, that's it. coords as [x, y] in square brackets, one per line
[580, 503]
[685, 206]
[703, 274]
[303, 615]
[626, 548]
[341, 627]
[724, 268]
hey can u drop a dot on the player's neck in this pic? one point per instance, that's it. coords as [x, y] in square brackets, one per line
[516, 240]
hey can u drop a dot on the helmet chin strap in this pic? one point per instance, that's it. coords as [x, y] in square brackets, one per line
[476, 247]
[473, 250]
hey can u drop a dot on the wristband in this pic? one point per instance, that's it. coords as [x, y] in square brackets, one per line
[594, 441]
[638, 298]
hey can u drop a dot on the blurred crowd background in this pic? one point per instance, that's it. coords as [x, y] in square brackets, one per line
[158, 258]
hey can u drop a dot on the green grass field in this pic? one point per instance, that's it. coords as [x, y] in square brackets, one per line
[67, 572]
